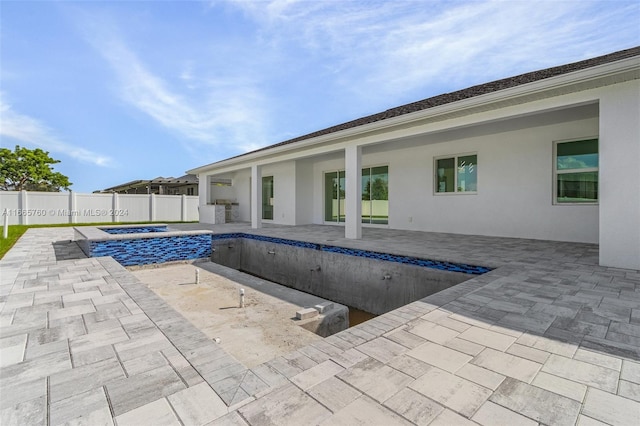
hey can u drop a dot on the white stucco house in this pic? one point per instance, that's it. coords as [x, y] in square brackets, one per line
[552, 154]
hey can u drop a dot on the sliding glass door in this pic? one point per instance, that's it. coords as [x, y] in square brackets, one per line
[375, 195]
[334, 196]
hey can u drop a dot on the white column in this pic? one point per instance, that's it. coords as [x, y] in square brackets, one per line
[152, 207]
[353, 192]
[203, 194]
[619, 174]
[115, 204]
[24, 205]
[73, 214]
[256, 196]
[183, 215]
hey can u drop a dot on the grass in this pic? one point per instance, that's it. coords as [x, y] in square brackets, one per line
[16, 231]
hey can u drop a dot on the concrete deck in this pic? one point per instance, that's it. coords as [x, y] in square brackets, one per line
[548, 337]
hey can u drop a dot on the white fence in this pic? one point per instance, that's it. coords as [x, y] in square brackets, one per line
[33, 208]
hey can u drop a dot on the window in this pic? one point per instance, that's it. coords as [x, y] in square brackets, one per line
[267, 197]
[576, 172]
[457, 174]
[375, 195]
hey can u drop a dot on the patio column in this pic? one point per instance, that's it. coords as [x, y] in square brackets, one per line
[619, 174]
[353, 192]
[256, 196]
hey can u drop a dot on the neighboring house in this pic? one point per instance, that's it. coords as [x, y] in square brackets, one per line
[184, 185]
[552, 154]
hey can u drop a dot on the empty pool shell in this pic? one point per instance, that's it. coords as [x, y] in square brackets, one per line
[370, 281]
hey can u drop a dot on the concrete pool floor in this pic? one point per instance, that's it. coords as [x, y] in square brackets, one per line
[548, 337]
[260, 331]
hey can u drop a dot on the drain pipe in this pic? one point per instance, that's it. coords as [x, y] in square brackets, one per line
[197, 276]
[241, 291]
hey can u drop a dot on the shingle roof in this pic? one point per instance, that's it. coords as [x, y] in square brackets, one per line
[459, 95]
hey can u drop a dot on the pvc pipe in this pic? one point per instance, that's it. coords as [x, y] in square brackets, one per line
[197, 276]
[241, 291]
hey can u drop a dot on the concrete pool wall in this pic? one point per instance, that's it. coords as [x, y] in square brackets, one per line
[366, 283]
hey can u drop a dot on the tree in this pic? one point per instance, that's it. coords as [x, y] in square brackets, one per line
[30, 170]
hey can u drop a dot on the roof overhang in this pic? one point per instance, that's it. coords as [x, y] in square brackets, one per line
[576, 81]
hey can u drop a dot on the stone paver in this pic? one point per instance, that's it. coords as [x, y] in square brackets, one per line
[560, 386]
[491, 414]
[285, 406]
[365, 411]
[451, 391]
[197, 405]
[375, 379]
[582, 372]
[536, 403]
[315, 375]
[334, 394]
[414, 407]
[507, 364]
[548, 337]
[611, 409]
[157, 412]
[440, 356]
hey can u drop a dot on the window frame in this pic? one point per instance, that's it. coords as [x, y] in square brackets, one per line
[455, 174]
[554, 159]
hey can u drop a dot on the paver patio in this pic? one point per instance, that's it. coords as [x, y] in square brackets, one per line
[547, 337]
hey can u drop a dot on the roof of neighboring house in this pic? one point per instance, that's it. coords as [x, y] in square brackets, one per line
[182, 180]
[459, 95]
[171, 180]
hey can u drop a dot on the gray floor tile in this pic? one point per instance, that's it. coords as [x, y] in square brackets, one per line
[197, 405]
[611, 409]
[285, 406]
[414, 406]
[132, 392]
[365, 411]
[334, 394]
[87, 408]
[454, 392]
[536, 403]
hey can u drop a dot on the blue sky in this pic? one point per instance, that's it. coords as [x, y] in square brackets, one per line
[127, 90]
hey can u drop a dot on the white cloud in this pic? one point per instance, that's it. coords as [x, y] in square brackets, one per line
[396, 48]
[218, 111]
[31, 131]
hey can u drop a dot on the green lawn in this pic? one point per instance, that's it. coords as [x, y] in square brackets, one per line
[16, 231]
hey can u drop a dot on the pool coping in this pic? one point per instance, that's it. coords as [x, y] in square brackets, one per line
[96, 233]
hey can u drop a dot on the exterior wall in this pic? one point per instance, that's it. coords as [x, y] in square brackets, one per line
[513, 139]
[620, 176]
[304, 197]
[242, 187]
[320, 167]
[515, 180]
[284, 190]
[515, 184]
[33, 208]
